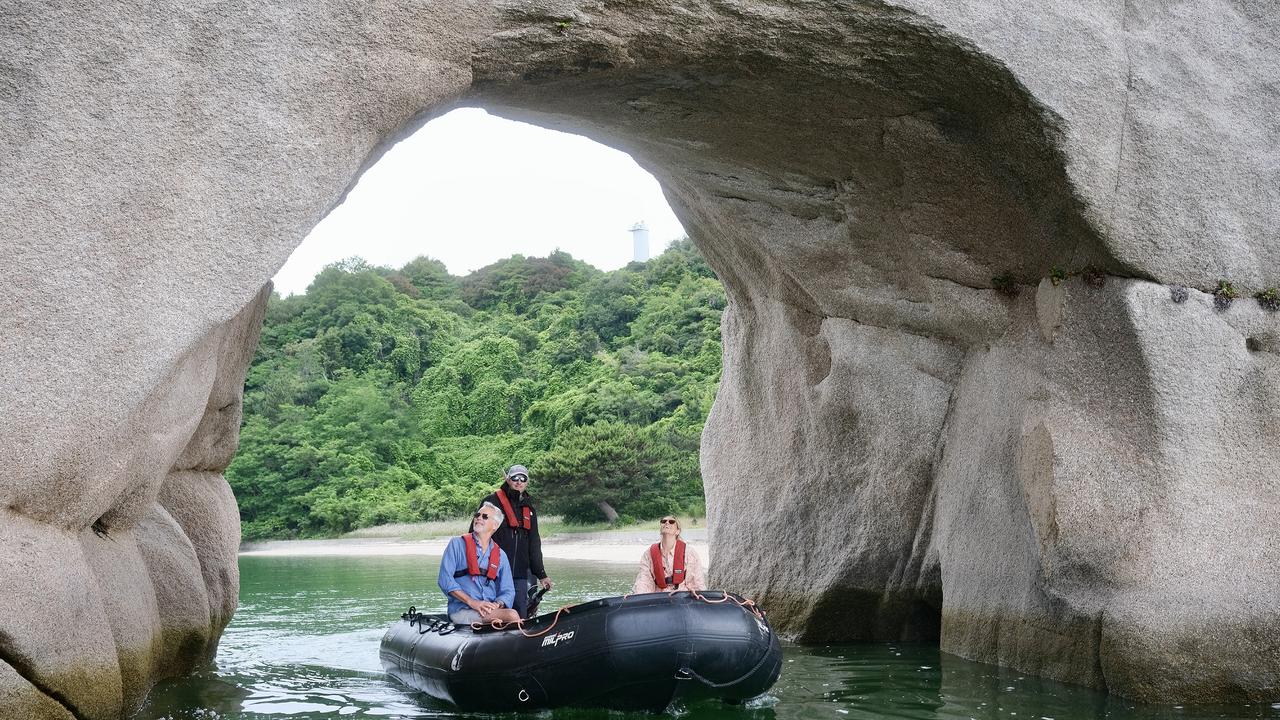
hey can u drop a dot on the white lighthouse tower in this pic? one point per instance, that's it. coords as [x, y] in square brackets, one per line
[640, 242]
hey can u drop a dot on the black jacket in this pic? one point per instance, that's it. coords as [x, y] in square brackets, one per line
[523, 547]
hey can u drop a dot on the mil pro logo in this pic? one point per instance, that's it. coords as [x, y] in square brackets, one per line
[555, 640]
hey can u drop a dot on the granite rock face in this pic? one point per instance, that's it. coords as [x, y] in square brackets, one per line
[132, 577]
[1079, 481]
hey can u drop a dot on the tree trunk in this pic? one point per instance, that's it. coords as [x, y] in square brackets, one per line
[608, 511]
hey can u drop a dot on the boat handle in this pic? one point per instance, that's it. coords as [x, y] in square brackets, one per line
[523, 695]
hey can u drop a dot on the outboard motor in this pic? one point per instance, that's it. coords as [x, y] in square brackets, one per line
[535, 597]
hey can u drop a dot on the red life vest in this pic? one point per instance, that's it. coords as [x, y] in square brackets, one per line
[677, 571]
[473, 568]
[511, 514]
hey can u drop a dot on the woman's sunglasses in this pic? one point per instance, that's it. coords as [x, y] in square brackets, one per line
[667, 521]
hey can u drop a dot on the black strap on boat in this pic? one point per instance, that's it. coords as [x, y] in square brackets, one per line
[427, 623]
[413, 616]
[685, 670]
[693, 674]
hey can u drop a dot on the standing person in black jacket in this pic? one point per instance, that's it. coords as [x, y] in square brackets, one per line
[518, 535]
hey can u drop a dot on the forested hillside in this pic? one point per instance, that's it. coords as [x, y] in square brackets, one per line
[399, 395]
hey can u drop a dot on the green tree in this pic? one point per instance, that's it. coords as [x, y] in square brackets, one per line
[430, 277]
[602, 471]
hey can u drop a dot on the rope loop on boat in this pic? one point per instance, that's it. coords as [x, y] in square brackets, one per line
[519, 624]
[745, 602]
[523, 695]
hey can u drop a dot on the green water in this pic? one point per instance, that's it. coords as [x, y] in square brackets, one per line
[304, 644]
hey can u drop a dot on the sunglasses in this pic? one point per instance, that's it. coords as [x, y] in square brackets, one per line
[519, 478]
[667, 521]
[482, 516]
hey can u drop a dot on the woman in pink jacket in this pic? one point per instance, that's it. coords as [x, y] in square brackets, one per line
[669, 565]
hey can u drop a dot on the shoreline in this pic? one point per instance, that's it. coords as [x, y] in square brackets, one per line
[623, 547]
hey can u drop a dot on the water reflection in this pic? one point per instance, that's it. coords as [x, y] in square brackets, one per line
[304, 644]
[919, 682]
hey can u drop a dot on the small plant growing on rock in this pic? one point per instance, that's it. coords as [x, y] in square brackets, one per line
[1269, 299]
[1223, 294]
[1005, 285]
[1179, 293]
[562, 26]
[1057, 275]
[1094, 276]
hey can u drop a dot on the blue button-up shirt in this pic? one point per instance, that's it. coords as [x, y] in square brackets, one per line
[501, 589]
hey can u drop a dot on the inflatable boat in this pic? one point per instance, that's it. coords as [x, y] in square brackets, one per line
[637, 652]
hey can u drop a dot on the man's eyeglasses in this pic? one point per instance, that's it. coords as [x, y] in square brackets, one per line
[482, 516]
[667, 521]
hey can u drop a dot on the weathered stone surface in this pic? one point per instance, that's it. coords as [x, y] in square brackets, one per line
[1098, 507]
[789, 433]
[16, 692]
[48, 581]
[204, 507]
[181, 595]
[1057, 483]
[95, 614]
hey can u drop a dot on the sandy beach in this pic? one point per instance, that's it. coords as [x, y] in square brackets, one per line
[621, 547]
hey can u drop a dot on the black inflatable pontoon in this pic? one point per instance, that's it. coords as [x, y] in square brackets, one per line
[638, 652]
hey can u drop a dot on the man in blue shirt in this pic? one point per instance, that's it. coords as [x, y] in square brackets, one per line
[476, 575]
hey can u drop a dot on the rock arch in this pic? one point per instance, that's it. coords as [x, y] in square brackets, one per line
[1078, 481]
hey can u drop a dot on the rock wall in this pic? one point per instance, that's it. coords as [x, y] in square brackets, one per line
[1078, 481]
[130, 577]
[1088, 497]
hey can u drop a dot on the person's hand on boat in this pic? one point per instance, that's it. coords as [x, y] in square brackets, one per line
[545, 583]
[485, 607]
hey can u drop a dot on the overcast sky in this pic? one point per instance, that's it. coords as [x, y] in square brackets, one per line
[470, 188]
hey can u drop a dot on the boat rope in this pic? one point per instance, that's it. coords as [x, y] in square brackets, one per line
[519, 624]
[745, 602]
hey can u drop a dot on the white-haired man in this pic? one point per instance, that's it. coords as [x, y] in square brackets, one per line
[475, 574]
